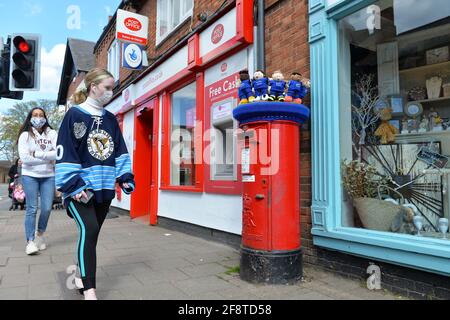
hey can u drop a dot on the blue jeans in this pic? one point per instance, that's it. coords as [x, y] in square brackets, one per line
[45, 187]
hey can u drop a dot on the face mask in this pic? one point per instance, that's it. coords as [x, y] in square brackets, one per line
[38, 122]
[105, 97]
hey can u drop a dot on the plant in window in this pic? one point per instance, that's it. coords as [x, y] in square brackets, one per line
[361, 180]
[364, 185]
[364, 113]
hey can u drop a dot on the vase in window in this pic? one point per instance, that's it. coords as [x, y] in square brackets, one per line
[446, 88]
[434, 87]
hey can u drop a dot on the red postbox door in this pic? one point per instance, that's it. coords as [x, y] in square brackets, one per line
[255, 197]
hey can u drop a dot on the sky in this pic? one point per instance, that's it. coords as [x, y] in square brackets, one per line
[55, 21]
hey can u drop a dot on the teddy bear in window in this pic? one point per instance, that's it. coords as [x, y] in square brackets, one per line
[386, 131]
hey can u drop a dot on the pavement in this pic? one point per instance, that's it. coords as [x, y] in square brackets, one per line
[141, 262]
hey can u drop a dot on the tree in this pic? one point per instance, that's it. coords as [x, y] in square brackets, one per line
[13, 119]
[364, 114]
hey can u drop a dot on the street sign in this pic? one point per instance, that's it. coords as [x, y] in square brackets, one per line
[131, 27]
[131, 56]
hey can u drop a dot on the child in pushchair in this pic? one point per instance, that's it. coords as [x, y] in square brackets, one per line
[17, 194]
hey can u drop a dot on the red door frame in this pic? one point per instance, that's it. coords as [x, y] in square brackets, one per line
[146, 176]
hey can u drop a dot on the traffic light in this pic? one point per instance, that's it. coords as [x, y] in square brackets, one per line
[4, 77]
[25, 62]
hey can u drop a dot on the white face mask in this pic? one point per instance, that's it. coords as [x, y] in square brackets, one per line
[105, 97]
[38, 122]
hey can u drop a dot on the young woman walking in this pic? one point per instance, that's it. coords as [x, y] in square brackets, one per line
[37, 152]
[91, 158]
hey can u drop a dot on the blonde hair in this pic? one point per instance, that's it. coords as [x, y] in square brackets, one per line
[94, 76]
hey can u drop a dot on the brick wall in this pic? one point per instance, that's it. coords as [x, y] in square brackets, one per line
[154, 51]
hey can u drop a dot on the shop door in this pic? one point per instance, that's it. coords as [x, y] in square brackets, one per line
[142, 168]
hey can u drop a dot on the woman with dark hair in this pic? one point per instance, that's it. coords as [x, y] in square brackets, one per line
[37, 152]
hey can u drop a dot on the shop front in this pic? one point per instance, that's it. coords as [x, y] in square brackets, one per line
[184, 141]
[380, 74]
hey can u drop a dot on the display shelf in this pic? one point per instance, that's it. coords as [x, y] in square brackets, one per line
[424, 134]
[433, 100]
[425, 68]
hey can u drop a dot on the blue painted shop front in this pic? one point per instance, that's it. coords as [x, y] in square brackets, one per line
[334, 46]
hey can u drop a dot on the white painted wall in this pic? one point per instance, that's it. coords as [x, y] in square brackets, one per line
[221, 212]
[229, 23]
[128, 136]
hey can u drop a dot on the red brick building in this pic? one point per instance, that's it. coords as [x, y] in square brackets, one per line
[286, 45]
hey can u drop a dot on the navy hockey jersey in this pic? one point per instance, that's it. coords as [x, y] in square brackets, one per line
[91, 154]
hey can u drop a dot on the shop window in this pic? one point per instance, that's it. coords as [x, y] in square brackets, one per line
[114, 59]
[395, 108]
[223, 141]
[182, 136]
[170, 14]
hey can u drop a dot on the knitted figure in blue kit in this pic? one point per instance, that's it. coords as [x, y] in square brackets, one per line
[277, 86]
[260, 85]
[245, 91]
[297, 89]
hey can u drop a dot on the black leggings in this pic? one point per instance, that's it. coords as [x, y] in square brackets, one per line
[89, 218]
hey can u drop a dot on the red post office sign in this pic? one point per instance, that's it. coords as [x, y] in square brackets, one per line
[131, 27]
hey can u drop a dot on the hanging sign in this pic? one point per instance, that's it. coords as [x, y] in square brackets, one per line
[131, 56]
[131, 27]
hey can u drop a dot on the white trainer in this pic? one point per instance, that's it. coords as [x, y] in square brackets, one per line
[78, 283]
[90, 294]
[31, 248]
[40, 241]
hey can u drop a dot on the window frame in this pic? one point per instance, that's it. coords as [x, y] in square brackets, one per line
[421, 253]
[169, 15]
[113, 63]
[223, 186]
[165, 183]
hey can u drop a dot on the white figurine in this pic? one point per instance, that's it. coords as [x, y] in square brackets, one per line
[423, 126]
[412, 125]
[404, 127]
[432, 119]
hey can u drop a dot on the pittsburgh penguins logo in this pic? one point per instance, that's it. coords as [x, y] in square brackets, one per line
[100, 144]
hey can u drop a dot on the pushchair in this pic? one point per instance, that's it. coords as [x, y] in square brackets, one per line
[17, 194]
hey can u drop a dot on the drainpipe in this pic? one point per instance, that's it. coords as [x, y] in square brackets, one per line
[260, 39]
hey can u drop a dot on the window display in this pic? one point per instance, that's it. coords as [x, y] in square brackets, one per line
[395, 108]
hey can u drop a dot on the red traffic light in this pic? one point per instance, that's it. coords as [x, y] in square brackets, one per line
[21, 44]
[24, 47]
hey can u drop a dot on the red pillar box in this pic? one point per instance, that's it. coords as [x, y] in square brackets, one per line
[271, 250]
